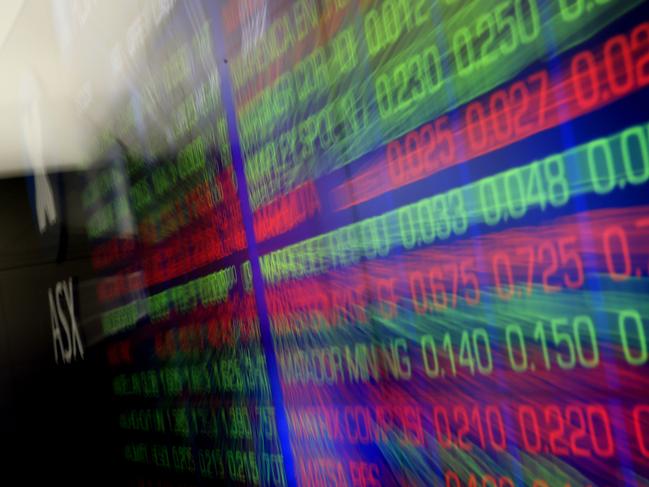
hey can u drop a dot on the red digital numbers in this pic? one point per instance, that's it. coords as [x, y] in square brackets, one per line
[422, 152]
[119, 353]
[430, 291]
[216, 235]
[624, 68]
[554, 264]
[641, 428]
[452, 479]
[546, 258]
[112, 252]
[113, 287]
[576, 430]
[579, 430]
[507, 114]
[286, 212]
[464, 428]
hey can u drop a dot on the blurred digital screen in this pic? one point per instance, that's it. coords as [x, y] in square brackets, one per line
[363, 243]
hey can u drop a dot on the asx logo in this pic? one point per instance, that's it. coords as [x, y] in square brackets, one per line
[65, 333]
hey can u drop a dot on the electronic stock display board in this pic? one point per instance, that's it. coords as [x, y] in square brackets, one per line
[392, 242]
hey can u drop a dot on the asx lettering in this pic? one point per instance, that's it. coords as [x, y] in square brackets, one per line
[65, 332]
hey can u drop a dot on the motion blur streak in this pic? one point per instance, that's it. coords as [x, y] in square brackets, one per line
[326, 242]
